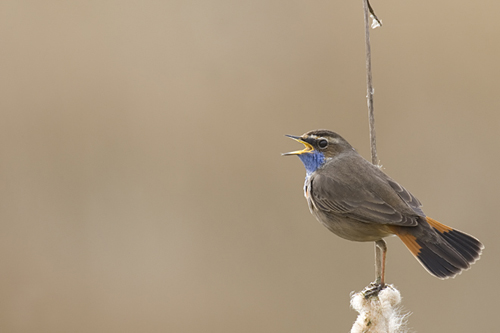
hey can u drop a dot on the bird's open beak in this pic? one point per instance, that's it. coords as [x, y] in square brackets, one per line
[308, 148]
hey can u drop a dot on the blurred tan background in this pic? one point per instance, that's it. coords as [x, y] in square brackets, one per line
[142, 187]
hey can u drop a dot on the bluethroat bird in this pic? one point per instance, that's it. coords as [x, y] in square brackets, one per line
[357, 201]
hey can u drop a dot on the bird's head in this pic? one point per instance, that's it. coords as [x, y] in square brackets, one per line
[320, 145]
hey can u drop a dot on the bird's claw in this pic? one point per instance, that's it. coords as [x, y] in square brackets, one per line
[373, 289]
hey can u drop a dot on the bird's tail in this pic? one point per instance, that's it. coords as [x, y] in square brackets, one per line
[449, 255]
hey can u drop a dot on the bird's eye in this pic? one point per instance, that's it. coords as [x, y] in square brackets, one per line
[323, 143]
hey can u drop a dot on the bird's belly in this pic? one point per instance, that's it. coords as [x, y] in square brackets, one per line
[351, 229]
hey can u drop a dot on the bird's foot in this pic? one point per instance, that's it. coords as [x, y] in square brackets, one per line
[373, 289]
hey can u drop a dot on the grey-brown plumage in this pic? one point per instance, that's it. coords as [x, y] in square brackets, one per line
[357, 201]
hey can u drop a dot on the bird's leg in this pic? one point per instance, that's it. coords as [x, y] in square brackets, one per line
[375, 287]
[380, 253]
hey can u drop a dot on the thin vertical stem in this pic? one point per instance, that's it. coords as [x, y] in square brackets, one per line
[380, 245]
[369, 84]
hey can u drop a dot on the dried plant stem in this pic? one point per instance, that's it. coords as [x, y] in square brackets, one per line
[378, 304]
[379, 251]
[369, 84]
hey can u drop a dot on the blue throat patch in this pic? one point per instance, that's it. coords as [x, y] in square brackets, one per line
[312, 161]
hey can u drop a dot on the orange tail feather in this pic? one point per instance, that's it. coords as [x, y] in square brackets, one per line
[443, 251]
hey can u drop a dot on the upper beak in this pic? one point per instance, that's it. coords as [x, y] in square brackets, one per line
[308, 148]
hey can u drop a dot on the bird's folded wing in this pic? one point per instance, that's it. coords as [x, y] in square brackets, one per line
[370, 198]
